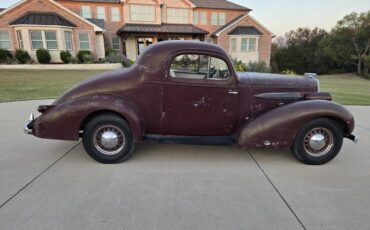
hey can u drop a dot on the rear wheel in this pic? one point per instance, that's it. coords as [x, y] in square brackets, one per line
[108, 139]
[318, 142]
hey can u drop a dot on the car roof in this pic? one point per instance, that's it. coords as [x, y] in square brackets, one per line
[155, 54]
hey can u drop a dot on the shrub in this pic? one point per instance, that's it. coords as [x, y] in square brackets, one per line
[114, 58]
[110, 51]
[66, 56]
[127, 62]
[43, 56]
[84, 56]
[22, 56]
[5, 56]
[260, 67]
[239, 65]
[289, 72]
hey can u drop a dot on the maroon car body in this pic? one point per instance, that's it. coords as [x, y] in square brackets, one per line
[250, 109]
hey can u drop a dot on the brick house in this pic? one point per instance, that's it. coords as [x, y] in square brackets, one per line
[129, 26]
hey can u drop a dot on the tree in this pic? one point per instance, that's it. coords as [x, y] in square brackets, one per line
[349, 42]
[299, 51]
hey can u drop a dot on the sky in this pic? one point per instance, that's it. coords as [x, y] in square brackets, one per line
[285, 15]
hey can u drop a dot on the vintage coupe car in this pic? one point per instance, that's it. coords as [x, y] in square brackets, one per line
[189, 92]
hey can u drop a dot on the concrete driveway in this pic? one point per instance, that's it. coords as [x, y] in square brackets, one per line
[55, 185]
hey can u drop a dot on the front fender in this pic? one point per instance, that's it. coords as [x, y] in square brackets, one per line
[63, 121]
[277, 128]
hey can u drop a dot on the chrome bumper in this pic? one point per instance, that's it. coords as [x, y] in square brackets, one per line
[27, 128]
[352, 138]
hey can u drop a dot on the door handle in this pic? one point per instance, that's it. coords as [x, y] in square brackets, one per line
[233, 92]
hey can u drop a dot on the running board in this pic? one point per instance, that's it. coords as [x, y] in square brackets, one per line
[196, 140]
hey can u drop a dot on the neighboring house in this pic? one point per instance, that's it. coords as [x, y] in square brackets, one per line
[129, 26]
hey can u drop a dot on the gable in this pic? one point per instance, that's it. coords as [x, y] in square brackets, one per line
[18, 10]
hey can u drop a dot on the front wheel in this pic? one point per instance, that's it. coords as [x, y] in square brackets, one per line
[318, 142]
[108, 139]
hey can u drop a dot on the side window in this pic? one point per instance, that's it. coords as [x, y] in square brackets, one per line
[199, 67]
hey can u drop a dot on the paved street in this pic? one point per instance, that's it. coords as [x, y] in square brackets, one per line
[47, 184]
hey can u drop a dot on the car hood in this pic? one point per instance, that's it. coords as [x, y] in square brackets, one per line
[272, 81]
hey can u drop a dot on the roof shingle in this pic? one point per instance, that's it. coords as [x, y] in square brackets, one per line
[245, 30]
[98, 22]
[164, 28]
[218, 4]
[42, 18]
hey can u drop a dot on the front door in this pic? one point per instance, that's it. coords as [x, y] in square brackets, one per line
[200, 97]
[142, 43]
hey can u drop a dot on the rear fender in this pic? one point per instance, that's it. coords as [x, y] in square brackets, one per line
[277, 128]
[63, 121]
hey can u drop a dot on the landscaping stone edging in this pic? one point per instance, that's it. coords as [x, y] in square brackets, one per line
[64, 67]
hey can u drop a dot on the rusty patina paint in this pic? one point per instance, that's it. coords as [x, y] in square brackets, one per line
[267, 111]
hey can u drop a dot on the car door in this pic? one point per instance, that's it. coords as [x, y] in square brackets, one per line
[200, 96]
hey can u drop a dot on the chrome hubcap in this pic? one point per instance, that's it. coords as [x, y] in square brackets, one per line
[318, 142]
[109, 140]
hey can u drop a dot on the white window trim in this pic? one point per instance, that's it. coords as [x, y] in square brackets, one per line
[43, 37]
[10, 39]
[195, 18]
[231, 44]
[79, 41]
[65, 40]
[182, 19]
[119, 14]
[20, 39]
[239, 43]
[200, 18]
[104, 12]
[82, 12]
[216, 17]
[219, 19]
[119, 43]
[143, 20]
[56, 37]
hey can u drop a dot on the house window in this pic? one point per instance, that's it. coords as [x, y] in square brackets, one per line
[51, 40]
[143, 43]
[100, 12]
[195, 18]
[20, 39]
[177, 15]
[36, 40]
[5, 40]
[142, 13]
[116, 17]
[214, 18]
[68, 40]
[86, 11]
[222, 19]
[44, 39]
[233, 44]
[252, 44]
[203, 18]
[84, 41]
[248, 44]
[244, 44]
[115, 43]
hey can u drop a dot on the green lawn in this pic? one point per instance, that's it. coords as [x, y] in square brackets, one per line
[41, 84]
[347, 89]
[38, 84]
